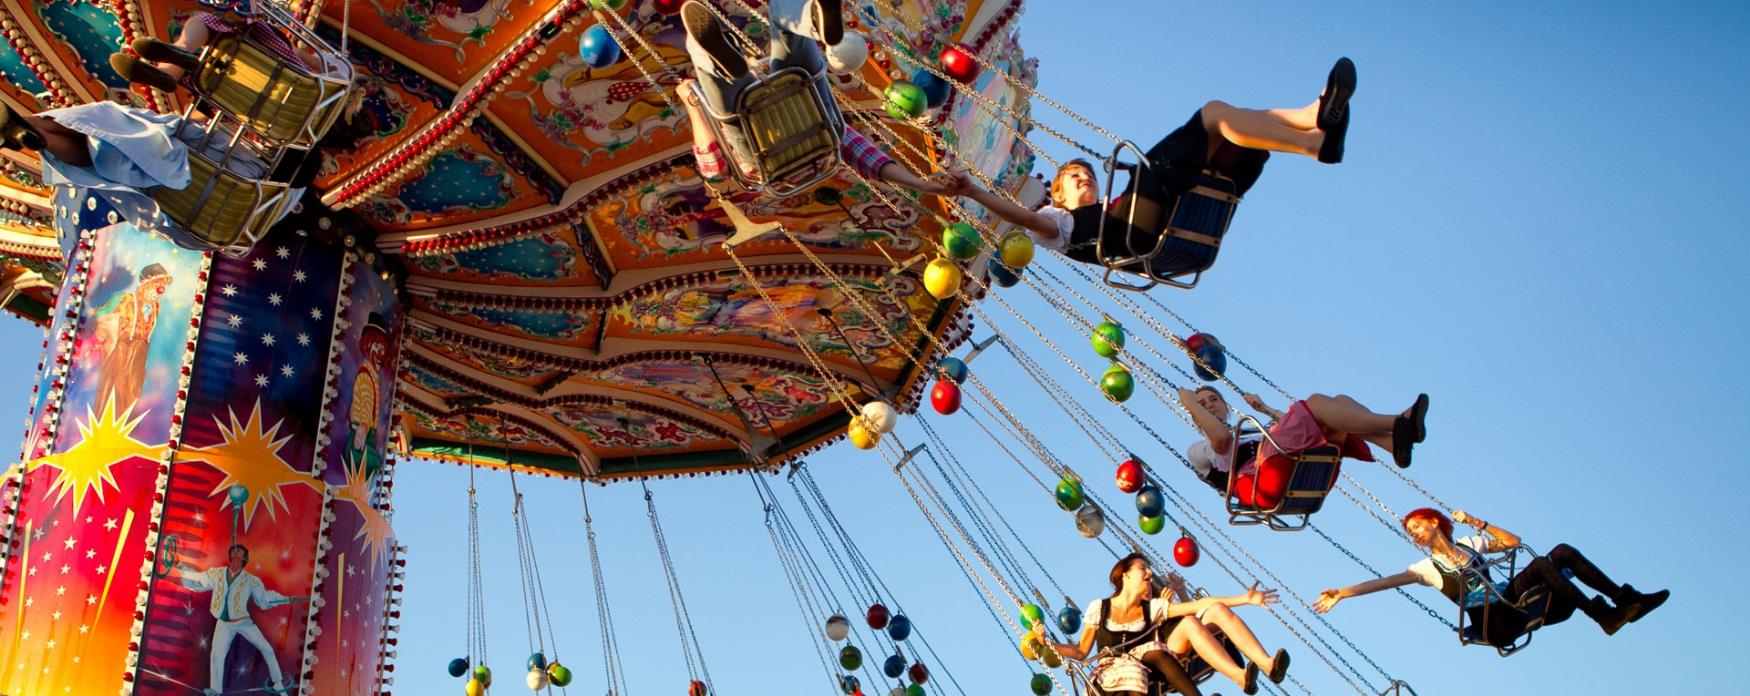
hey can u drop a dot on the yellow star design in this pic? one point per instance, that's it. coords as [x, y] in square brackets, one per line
[105, 440]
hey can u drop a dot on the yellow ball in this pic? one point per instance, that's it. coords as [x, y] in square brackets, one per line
[862, 437]
[942, 278]
[1017, 249]
[1031, 646]
[1051, 658]
[474, 688]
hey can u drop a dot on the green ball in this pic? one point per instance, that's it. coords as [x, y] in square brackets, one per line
[1151, 525]
[1118, 383]
[850, 658]
[484, 675]
[1031, 614]
[1041, 684]
[1069, 494]
[559, 674]
[608, 4]
[1108, 339]
[961, 241]
[905, 101]
[914, 690]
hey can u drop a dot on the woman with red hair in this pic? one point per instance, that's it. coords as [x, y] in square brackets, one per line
[1455, 566]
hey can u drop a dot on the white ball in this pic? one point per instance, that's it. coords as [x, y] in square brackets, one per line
[848, 55]
[838, 627]
[537, 680]
[1090, 521]
[880, 417]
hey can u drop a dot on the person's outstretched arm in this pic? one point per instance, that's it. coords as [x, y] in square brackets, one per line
[1499, 539]
[1329, 598]
[706, 152]
[1258, 405]
[1009, 212]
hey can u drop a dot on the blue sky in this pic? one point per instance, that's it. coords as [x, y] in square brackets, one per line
[1539, 224]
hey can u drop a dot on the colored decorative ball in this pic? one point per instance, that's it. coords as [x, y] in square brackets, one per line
[904, 100]
[945, 397]
[849, 54]
[1031, 644]
[942, 278]
[1150, 502]
[837, 627]
[536, 680]
[936, 89]
[850, 658]
[957, 63]
[1041, 685]
[878, 416]
[1185, 552]
[953, 368]
[607, 4]
[458, 667]
[483, 675]
[1069, 620]
[559, 674]
[1090, 521]
[893, 666]
[861, 436]
[668, 7]
[849, 684]
[877, 616]
[474, 688]
[238, 495]
[1031, 614]
[1215, 357]
[899, 628]
[598, 48]
[961, 241]
[537, 661]
[897, 691]
[1107, 339]
[1130, 476]
[1003, 276]
[1069, 494]
[914, 690]
[1118, 383]
[1016, 249]
[1195, 342]
[696, 688]
[918, 673]
[1151, 525]
[1050, 658]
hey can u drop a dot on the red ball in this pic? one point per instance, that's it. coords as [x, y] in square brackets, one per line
[696, 688]
[668, 7]
[877, 616]
[945, 396]
[1194, 342]
[957, 63]
[1130, 476]
[919, 674]
[1185, 552]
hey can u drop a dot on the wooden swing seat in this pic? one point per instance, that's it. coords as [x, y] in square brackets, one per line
[793, 127]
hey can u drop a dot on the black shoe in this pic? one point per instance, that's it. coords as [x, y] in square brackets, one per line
[831, 15]
[15, 134]
[1610, 618]
[1419, 416]
[160, 52]
[1403, 439]
[1279, 667]
[703, 26]
[1647, 601]
[1251, 685]
[140, 72]
[1333, 117]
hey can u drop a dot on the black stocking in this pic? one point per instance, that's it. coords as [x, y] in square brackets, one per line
[1169, 668]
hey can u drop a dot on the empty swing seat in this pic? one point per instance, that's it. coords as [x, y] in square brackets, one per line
[793, 127]
[277, 99]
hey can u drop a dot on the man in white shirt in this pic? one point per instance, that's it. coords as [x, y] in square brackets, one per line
[233, 590]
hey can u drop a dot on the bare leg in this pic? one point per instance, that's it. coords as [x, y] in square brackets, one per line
[68, 145]
[193, 38]
[1348, 415]
[1191, 635]
[1237, 631]
[1259, 130]
[1305, 118]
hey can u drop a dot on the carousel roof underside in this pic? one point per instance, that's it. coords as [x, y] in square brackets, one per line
[569, 307]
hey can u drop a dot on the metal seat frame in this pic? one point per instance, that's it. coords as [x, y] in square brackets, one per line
[1306, 501]
[793, 124]
[1534, 605]
[1120, 266]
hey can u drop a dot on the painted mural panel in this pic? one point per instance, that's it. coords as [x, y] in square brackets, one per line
[367, 348]
[352, 615]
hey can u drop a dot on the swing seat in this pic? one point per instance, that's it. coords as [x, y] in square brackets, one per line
[1194, 665]
[1171, 242]
[1533, 606]
[793, 127]
[279, 100]
[1311, 474]
[228, 203]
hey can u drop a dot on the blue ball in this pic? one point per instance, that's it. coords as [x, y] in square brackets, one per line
[936, 90]
[1212, 355]
[899, 627]
[894, 666]
[954, 368]
[1150, 502]
[1069, 621]
[537, 661]
[458, 667]
[239, 495]
[598, 48]
[1002, 275]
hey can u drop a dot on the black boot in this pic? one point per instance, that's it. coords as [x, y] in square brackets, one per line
[1648, 601]
[1610, 618]
[160, 52]
[15, 134]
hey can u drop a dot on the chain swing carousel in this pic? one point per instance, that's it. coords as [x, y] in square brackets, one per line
[501, 255]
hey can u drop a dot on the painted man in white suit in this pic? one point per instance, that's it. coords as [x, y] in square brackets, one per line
[233, 590]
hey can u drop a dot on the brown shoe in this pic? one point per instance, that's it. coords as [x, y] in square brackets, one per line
[15, 134]
[140, 72]
[161, 52]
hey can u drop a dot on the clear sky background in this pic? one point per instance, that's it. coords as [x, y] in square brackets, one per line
[1540, 223]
